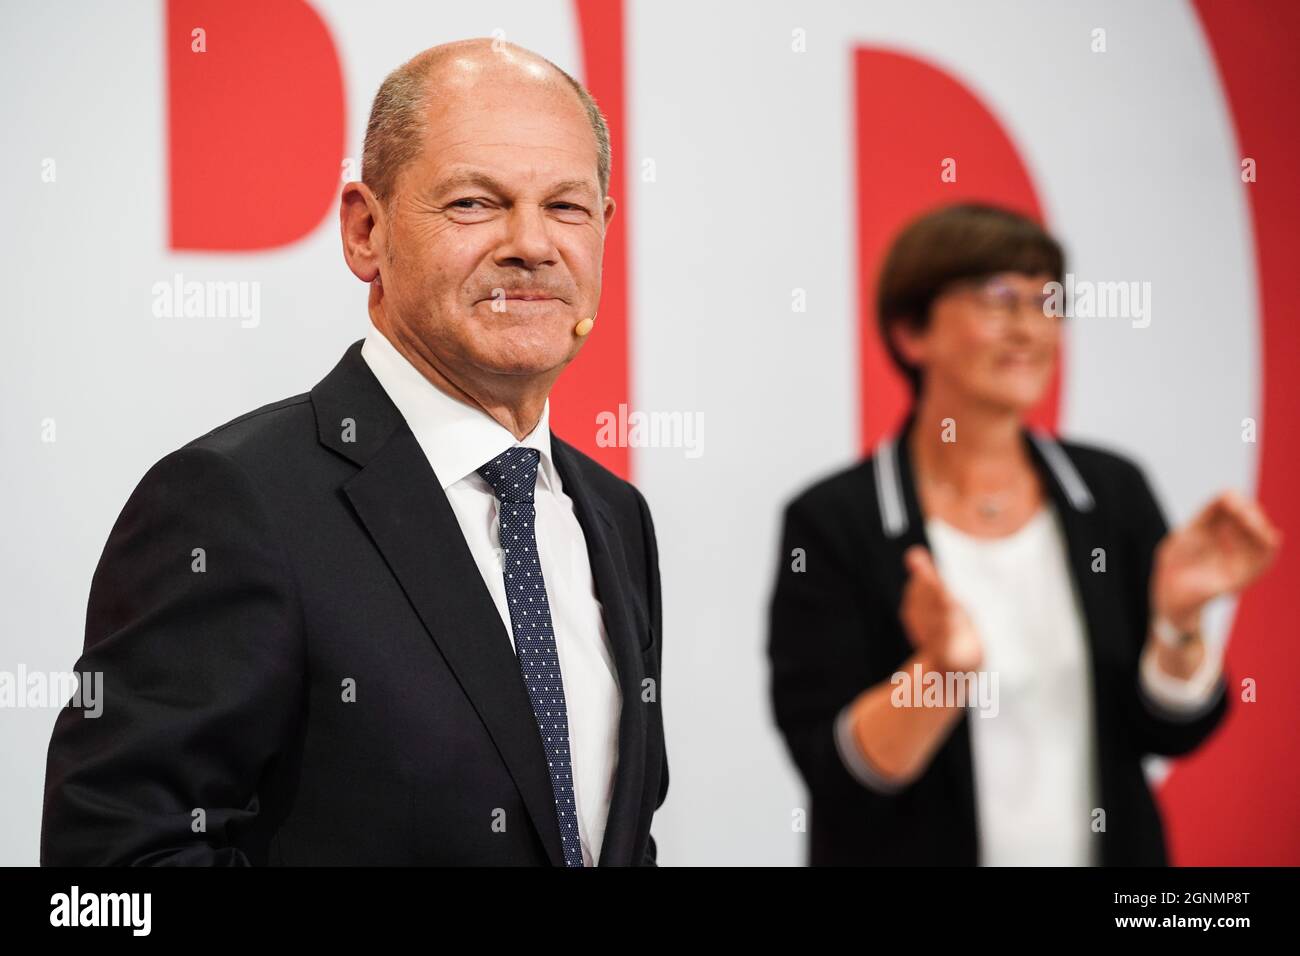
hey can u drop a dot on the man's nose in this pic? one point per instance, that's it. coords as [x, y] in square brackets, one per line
[528, 243]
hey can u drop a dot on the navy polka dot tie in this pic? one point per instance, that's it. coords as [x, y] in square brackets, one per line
[513, 476]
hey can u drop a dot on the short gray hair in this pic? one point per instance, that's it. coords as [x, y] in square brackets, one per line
[398, 124]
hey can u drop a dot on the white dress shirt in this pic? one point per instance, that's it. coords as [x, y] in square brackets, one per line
[1034, 761]
[457, 439]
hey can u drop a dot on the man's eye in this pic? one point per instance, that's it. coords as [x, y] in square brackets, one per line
[466, 203]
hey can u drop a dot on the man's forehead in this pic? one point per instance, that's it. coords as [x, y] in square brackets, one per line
[511, 143]
[521, 113]
[505, 116]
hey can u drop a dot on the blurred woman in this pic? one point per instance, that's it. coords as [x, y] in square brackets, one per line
[978, 632]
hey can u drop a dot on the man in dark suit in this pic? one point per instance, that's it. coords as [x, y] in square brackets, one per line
[395, 620]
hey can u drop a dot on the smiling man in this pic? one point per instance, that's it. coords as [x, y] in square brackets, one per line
[395, 620]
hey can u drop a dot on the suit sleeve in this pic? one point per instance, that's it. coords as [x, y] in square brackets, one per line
[818, 628]
[202, 670]
[656, 622]
[1157, 728]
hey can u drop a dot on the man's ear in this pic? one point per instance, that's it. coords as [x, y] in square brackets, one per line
[609, 207]
[361, 224]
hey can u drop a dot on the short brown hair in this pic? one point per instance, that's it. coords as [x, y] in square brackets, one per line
[953, 244]
[397, 124]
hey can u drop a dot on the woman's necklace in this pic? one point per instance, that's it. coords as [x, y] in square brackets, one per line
[988, 506]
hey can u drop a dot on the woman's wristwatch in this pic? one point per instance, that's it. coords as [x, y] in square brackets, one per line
[1169, 635]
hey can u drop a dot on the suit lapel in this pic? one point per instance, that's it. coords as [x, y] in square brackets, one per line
[1103, 624]
[1075, 524]
[400, 501]
[1079, 525]
[902, 534]
[609, 570]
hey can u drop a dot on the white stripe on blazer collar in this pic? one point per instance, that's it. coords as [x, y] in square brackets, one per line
[889, 489]
[889, 480]
[1063, 470]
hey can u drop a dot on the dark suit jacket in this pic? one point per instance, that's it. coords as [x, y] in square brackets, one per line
[333, 563]
[834, 631]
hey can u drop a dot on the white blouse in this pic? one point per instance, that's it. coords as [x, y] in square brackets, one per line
[1033, 755]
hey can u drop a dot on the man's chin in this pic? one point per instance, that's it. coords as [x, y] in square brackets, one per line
[524, 362]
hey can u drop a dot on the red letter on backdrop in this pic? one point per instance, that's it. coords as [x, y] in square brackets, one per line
[911, 116]
[598, 380]
[255, 123]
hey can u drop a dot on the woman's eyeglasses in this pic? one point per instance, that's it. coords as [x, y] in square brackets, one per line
[1001, 301]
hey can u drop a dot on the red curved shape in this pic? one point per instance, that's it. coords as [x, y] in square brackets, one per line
[1234, 802]
[599, 380]
[910, 116]
[255, 123]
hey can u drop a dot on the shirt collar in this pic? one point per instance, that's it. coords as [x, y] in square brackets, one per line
[456, 438]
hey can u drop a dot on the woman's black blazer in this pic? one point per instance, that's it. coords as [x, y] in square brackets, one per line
[834, 630]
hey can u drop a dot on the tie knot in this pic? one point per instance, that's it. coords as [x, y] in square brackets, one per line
[513, 473]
